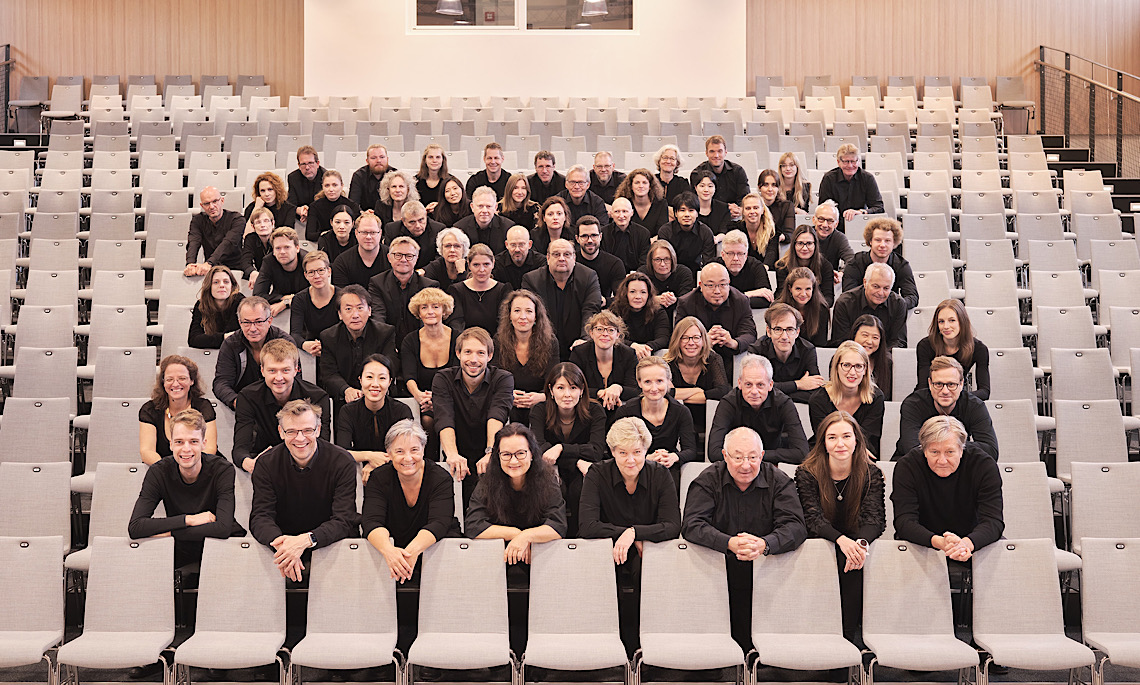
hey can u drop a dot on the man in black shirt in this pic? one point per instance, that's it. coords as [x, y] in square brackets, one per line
[874, 297]
[624, 239]
[236, 368]
[743, 507]
[723, 310]
[492, 174]
[518, 259]
[833, 244]
[359, 265]
[947, 492]
[255, 419]
[415, 224]
[746, 274]
[304, 490]
[484, 225]
[390, 292]
[754, 403]
[795, 369]
[609, 268]
[281, 275]
[731, 181]
[569, 291]
[364, 188]
[945, 395]
[471, 404]
[604, 181]
[217, 232]
[853, 189]
[195, 489]
[580, 198]
[345, 346]
[545, 181]
[305, 181]
[883, 235]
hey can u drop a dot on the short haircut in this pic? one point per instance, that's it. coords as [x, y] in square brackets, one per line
[464, 240]
[285, 232]
[492, 146]
[882, 224]
[587, 220]
[191, 418]
[367, 216]
[654, 360]
[254, 301]
[847, 149]
[578, 169]
[280, 349]
[940, 429]
[943, 363]
[314, 256]
[373, 146]
[778, 310]
[308, 150]
[544, 154]
[668, 147]
[744, 431]
[404, 241]
[260, 212]
[715, 140]
[353, 289]
[711, 268]
[299, 408]
[735, 237]
[561, 243]
[828, 204]
[876, 269]
[484, 191]
[479, 335]
[412, 208]
[686, 200]
[431, 296]
[405, 428]
[750, 360]
[607, 317]
[628, 432]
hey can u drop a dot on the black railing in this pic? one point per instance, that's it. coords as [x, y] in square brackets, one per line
[5, 77]
[1091, 105]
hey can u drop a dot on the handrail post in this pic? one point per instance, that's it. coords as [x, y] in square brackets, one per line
[1119, 125]
[1068, 96]
[1041, 91]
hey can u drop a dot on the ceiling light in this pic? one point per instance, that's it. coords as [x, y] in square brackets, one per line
[594, 8]
[451, 8]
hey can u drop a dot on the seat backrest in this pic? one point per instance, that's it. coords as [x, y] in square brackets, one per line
[1011, 374]
[31, 584]
[1088, 422]
[1083, 374]
[1104, 503]
[1016, 590]
[136, 569]
[118, 423]
[482, 607]
[683, 589]
[1027, 506]
[797, 592]
[1110, 590]
[350, 590]
[240, 589]
[51, 439]
[573, 587]
[906, 590]
[38, 501]
[113, 498]
[1015, 427]
[47, 372]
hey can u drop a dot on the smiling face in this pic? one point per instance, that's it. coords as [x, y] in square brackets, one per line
[851, 370]
[769, 188]
[877, 288]
[622, 212]
[177, 383]
[375, 381]
[946, 387]
[519, 192]
[805, 246]
[705, 189]
[515, 457]
[948, 325]
[186, 446]
[754, 385]
[825, 220]
[869, 338]
[407, 456]
[577, 183]
[604, 336]
[300, 434]
[640, 185]
[849, 163]
[637, 293]
[453, 192]
[742, 456]
[589, 240]
[221, 287]
[751, 211]
[654, 383]
[522, 314]
[278, 375]
[802, 290]
[839, 439]
[667, 164]
[630, 459]
[473, 358]
[398, 189]
[715, 154]
[692, 343]
[493, 160]
[433, 158]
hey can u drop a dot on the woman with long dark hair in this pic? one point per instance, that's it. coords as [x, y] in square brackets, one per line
[870, 333]
[178, 386]
[525, 347]
[647, 324]
[453, 203]
[516, 204]
[805, 252]
[951, 335]
[842, 494]
[433, 171]
[215, 313]
[800, 291]
[783, 213]
[340, 237]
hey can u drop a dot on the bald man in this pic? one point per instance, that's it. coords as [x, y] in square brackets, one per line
[724, 310]
[216, 232]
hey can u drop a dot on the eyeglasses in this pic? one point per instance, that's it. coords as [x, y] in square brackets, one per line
[606, 330]
[692, 338]
[451, 246]
[714, 286]
[367, 233]
[783, 331]
[294, 432]
[520, 456]
[800, 243]
[742, 459]
[662, 260]
[577, 183]
[401, 256]
[848, 366]
[821, 220]
[316, 272]
[306, 163]
[788, 165]
[246, 323]
[945, 386]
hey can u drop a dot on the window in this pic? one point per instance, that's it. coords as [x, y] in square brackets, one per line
[465, 13]
[537, 14]
[580, 14]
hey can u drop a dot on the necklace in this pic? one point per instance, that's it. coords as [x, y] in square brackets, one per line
[838, 492]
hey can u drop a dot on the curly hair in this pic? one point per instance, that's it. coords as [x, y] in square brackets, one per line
[431, 296]
[620, 305]
[543, 344]
[275, 182]
[625, 188]
[386, 183]
[158, 394]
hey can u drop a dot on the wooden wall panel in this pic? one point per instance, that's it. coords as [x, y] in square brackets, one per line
[933, 37]
[66, 37]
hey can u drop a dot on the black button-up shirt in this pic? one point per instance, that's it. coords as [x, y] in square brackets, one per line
[630, 245]
[606, 190]
[390, 300]
[274, 282]
[852, 304]
[731, 181]
[733, 315]
[255, 417]
[468, 412]
[716, 509]
[776, 420]
[479, 178]
[590, 204]
[507, 271]
[802, 359]
[695, 246]
[608, 508]
[859, 192]
[219, 242]
[342, 356]
[386, 506]
[364, 189]
[837, 248]
[360, 429]
[303, 191]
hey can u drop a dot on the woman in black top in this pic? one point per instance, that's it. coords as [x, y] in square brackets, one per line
[255, 246]
[454, 204]
[670, 279]
[607, 363]
[842, 496]
[361, 425]
[646, 322]
[712, 213]
[668, 421]
[756, 223]
[692, 240]
[340, 237]
[525, 347]
[333, 194]
[951, 335]
[315, 308]
[783, 213]
[869, 332]
[553, 224]
[668, 162]
[792, 185]
[451, 266]
[177, 387]
[396, 188]
[570, 429]
[645, 193]
[269, 192]
[426, 350]
[478, 299]
[433, 169]
[697, 373]
[516, 204]
[805, 252]
[215, 312]
[800, 292]
[850, 390]
[408, 503]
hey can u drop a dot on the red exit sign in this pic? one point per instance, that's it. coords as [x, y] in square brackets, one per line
[488, 17]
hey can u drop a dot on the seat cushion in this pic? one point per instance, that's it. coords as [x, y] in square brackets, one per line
[921, 652]
[1123, 649]
[23, 648]
[114, 649]
[1035, 652]
[690, 652]
[344, 650]
[575, 652]
[1067, 561]
[805, 652]
[460, 650]
[229, 650]
[79, 560]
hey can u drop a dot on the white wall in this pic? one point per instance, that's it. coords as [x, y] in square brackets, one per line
[677, 47]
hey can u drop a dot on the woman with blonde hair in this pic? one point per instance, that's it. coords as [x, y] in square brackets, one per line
[850, 389]
[396, 188]
[427, 350]
[607, 362]
[516, 204]
[795, 189]
[756, 222]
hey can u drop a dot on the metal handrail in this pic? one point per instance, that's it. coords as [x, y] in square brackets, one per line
[1088, 61]
[1086, 79]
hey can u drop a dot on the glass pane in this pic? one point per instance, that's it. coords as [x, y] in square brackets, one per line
[465, 13]
[579, 14]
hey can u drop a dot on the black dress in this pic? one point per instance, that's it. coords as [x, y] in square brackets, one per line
[149, 413]
[586, 441]
[225, 322]
[307, 321]
[413, 368]
[328, 244]
[528, 378]
[622, 371]
[477, 309]
[427, 193]
[718, 217]
[655, 218]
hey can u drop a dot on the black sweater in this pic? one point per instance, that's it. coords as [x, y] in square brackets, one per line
[872, 510]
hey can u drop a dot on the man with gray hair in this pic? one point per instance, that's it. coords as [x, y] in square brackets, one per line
[745, 273]
[570, 292]
[484, 224]
[852, 188]
[744, 507]
[724, 310]
[756, 404]
[415, 224]
[833, 244]
[604, 181]
[874, 297]
[947, 492]
[580, 198]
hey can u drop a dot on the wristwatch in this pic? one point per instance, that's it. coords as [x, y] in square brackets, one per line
[312, 540]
